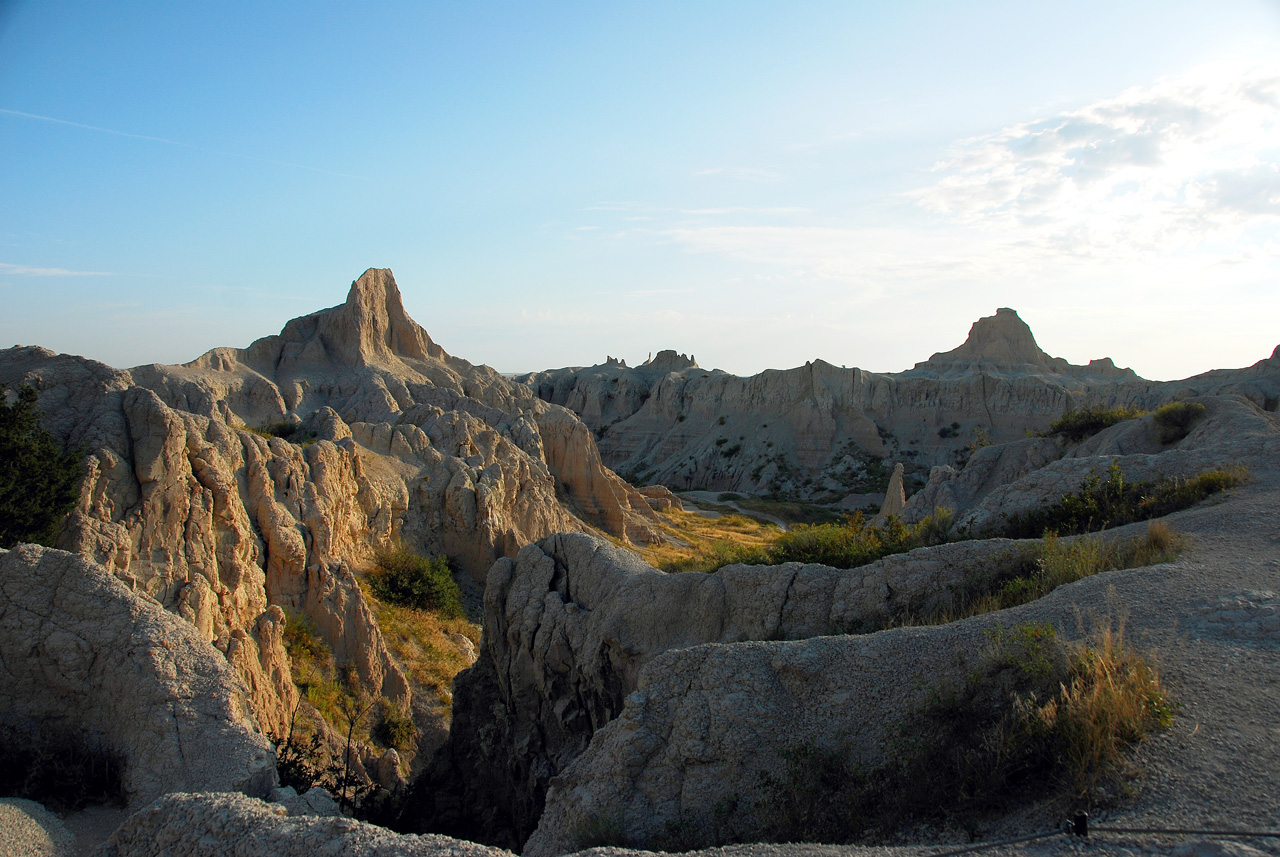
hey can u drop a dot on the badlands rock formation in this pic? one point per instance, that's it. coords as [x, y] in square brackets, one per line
[571, 622]
[1017, 477]
[608, 690]
[825, 433]
[81, 654]
[395, 440]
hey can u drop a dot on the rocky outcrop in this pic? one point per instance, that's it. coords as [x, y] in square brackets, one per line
[608, 690]
[571, 623]
[661, 498]
[82, 654]
[823, 433]
[385, 437]
[705, 722]
[1012, 478]
[227, 825]
[29, 830]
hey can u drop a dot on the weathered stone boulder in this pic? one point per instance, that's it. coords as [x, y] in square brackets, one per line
[81, 653]
[661, 498]
[571, 622]
[228, 825]
[27, 829]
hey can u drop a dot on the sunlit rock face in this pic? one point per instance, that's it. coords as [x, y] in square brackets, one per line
[832, 434]
[389, 438]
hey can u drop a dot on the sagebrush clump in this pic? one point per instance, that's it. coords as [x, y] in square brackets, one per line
[1076, 425]
[1100, 504]
[408, 579]
[1175, 420]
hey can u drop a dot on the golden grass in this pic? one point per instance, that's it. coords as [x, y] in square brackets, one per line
[1112, 701]
[419, 641]
[694, 541]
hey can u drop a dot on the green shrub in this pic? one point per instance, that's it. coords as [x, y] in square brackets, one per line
[846, 545]
[1076, 425]
[39, 483]
[1174, 421]
[821, 796]
[395, 726]
[1114, 502]
[718, 554]
[405, 578]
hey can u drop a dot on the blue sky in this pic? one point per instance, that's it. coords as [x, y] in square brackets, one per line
[758, 184]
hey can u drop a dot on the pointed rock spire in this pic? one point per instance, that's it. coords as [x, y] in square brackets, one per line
[1001, 339]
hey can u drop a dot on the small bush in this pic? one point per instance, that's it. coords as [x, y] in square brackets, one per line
[407, 579]
[1076, 425]
[395, 726]
[1114, 502]
[821, 796]
[39, 483]
[1174, 421]
[718, 554]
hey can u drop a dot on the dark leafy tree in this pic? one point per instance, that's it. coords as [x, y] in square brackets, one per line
[38, 480]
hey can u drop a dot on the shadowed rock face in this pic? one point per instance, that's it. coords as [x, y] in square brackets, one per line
[570, 624]
[827, 433]
[401, 441]
[82, 653]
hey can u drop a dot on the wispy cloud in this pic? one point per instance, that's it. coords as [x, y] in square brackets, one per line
[1159, 167]
[165, 140]
[7, 269]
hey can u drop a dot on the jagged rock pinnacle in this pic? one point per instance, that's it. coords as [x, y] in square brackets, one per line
[1002, 339]
[370, 328]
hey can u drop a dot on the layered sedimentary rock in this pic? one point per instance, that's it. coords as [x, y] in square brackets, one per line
[389, 438]
[608, 690]
[83, 656]
[571, 622]
[826, 433]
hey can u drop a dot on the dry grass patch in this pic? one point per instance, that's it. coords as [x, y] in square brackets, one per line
[420, 641]
[1037, 719]
[1057, 562]
[698, 543]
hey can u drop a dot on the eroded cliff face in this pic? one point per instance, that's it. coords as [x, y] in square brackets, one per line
[570, 624]
[607, 689]
[830, 434]
[398, 440]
